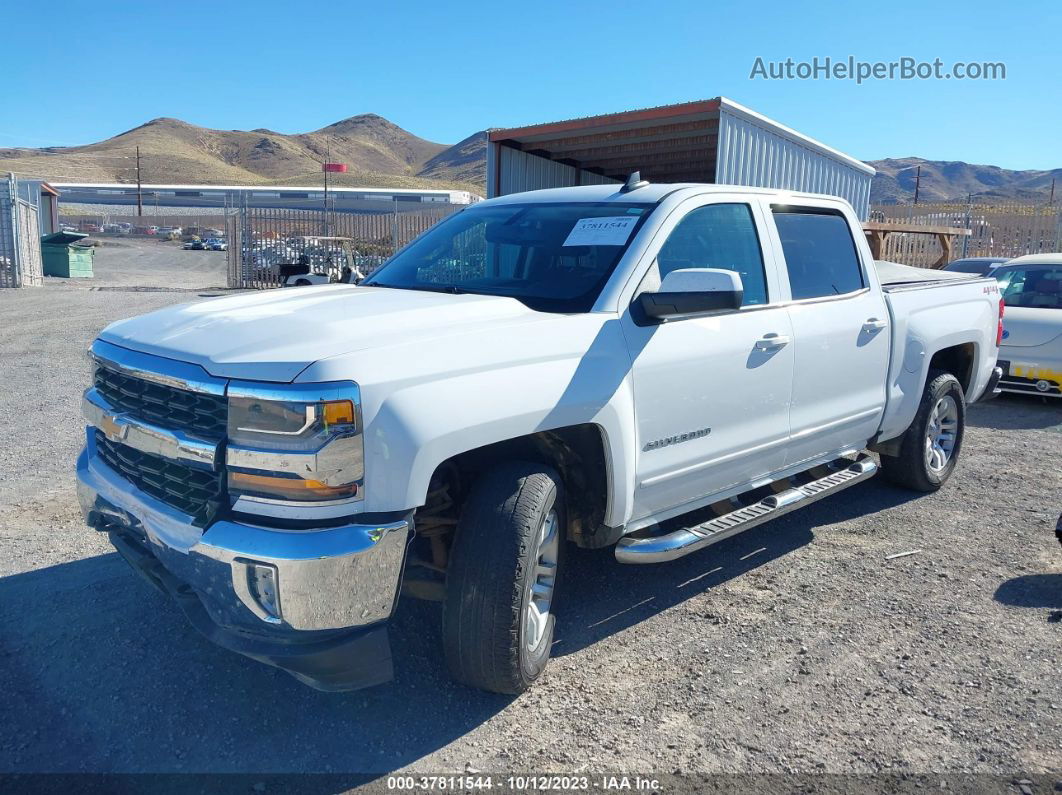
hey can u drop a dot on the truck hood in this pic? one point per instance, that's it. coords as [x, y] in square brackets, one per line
[1026, 327]
[275, 335]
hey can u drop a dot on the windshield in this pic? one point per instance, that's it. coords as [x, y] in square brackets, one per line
[1039, 288]
[553, 257]
[972, 266]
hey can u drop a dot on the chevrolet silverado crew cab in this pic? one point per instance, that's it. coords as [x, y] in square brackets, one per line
[585, 365]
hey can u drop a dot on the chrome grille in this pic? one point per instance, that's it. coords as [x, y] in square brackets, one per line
[196, 413]
[191, 490]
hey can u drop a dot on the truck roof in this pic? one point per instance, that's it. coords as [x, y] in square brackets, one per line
[1036, 259]
[653, 192]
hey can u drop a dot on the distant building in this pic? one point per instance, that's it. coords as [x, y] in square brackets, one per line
[352, 200]
[45, 198]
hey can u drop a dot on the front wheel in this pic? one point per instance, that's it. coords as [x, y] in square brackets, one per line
[930, 447]
[498, 613]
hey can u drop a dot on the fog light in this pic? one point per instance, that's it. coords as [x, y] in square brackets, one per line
[1043, 385]
[262, 582]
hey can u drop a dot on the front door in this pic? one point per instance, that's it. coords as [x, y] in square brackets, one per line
[712, 393]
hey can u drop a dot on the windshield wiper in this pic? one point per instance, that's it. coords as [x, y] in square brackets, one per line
[452, 289]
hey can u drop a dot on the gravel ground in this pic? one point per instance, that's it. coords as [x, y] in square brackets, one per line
[149, 265]
[796, 646]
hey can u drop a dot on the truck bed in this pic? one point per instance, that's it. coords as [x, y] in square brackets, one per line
[893, 275]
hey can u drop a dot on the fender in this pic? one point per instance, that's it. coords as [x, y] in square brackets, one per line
[430, 402]
[919, 333]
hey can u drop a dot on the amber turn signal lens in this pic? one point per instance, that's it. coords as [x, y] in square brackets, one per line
[294, 488]
[338, 412]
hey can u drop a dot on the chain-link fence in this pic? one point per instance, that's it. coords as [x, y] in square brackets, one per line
[997, 229]
[20, 239]
[262, 241]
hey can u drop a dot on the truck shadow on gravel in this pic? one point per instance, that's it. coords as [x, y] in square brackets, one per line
[100, 673]
[603, 597]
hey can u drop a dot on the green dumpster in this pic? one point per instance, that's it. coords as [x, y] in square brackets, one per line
[62, 255]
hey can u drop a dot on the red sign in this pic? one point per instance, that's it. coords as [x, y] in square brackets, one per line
[338, 168]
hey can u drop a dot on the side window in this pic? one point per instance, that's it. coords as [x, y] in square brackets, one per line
[820, 254]
[718, 236]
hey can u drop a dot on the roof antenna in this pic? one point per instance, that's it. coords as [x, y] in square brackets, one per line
[634, 181]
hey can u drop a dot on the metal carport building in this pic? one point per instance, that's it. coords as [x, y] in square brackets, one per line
[714, 141]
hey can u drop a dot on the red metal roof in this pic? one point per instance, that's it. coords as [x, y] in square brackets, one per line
[608, 120]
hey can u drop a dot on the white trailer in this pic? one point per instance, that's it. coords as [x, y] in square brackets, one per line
[715, 141]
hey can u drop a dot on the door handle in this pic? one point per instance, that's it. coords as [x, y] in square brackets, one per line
[771, 342]
[873, 324]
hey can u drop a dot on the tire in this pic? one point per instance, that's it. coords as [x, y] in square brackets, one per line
[918, 465]
[301, 283]
[489, 640]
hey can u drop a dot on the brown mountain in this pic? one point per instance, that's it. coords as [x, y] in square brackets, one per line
[465, 161]
[378, 153]
[954, 179]
[382, 154]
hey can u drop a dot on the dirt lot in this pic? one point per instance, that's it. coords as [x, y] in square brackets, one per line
[144, 263]
[794, 647]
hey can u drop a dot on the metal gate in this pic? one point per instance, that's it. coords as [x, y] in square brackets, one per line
[20, 239]
[261, 239]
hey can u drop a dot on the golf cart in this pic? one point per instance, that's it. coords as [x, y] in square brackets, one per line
[324, 260]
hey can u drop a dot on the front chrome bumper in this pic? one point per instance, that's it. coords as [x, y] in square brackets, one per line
[343, 578]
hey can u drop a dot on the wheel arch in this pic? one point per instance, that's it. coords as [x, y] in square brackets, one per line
[959, 360]
[579, 453]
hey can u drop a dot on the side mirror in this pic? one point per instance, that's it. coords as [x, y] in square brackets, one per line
[693, 292]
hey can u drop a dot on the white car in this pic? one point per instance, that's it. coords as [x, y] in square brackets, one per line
[1031, 350]
[581, 366]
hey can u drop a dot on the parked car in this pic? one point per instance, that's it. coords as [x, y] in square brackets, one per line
[982, 266]
[574, 366]
[196, 245]
[214, 244]
[1031, 350]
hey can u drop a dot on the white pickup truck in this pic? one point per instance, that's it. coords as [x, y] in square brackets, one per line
[579, 365]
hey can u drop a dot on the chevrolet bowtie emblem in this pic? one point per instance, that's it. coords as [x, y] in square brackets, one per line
[111, 429]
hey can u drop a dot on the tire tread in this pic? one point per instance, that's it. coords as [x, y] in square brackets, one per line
[482, 611]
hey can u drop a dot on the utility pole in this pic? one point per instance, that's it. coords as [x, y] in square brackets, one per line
[1052, 191]
[139, 194]
[328, 159]
[918, 183]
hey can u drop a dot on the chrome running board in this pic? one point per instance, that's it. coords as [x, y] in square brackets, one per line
[678, 543]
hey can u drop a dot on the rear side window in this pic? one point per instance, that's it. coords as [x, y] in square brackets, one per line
[718, 236]
[820, 254]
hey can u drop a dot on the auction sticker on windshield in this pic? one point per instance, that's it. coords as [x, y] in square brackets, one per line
[612, 230]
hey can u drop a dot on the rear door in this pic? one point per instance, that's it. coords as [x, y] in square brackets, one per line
[840, 326]
[712, 393]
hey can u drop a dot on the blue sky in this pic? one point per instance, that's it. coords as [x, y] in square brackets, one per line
[78, 72]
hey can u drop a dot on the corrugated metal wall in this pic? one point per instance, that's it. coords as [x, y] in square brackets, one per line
[750, 154]
[521, 171]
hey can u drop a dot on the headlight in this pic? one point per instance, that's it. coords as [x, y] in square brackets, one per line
[295, 443]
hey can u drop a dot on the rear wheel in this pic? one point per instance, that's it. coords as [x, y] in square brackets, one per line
[498, 614]
[930, 447]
